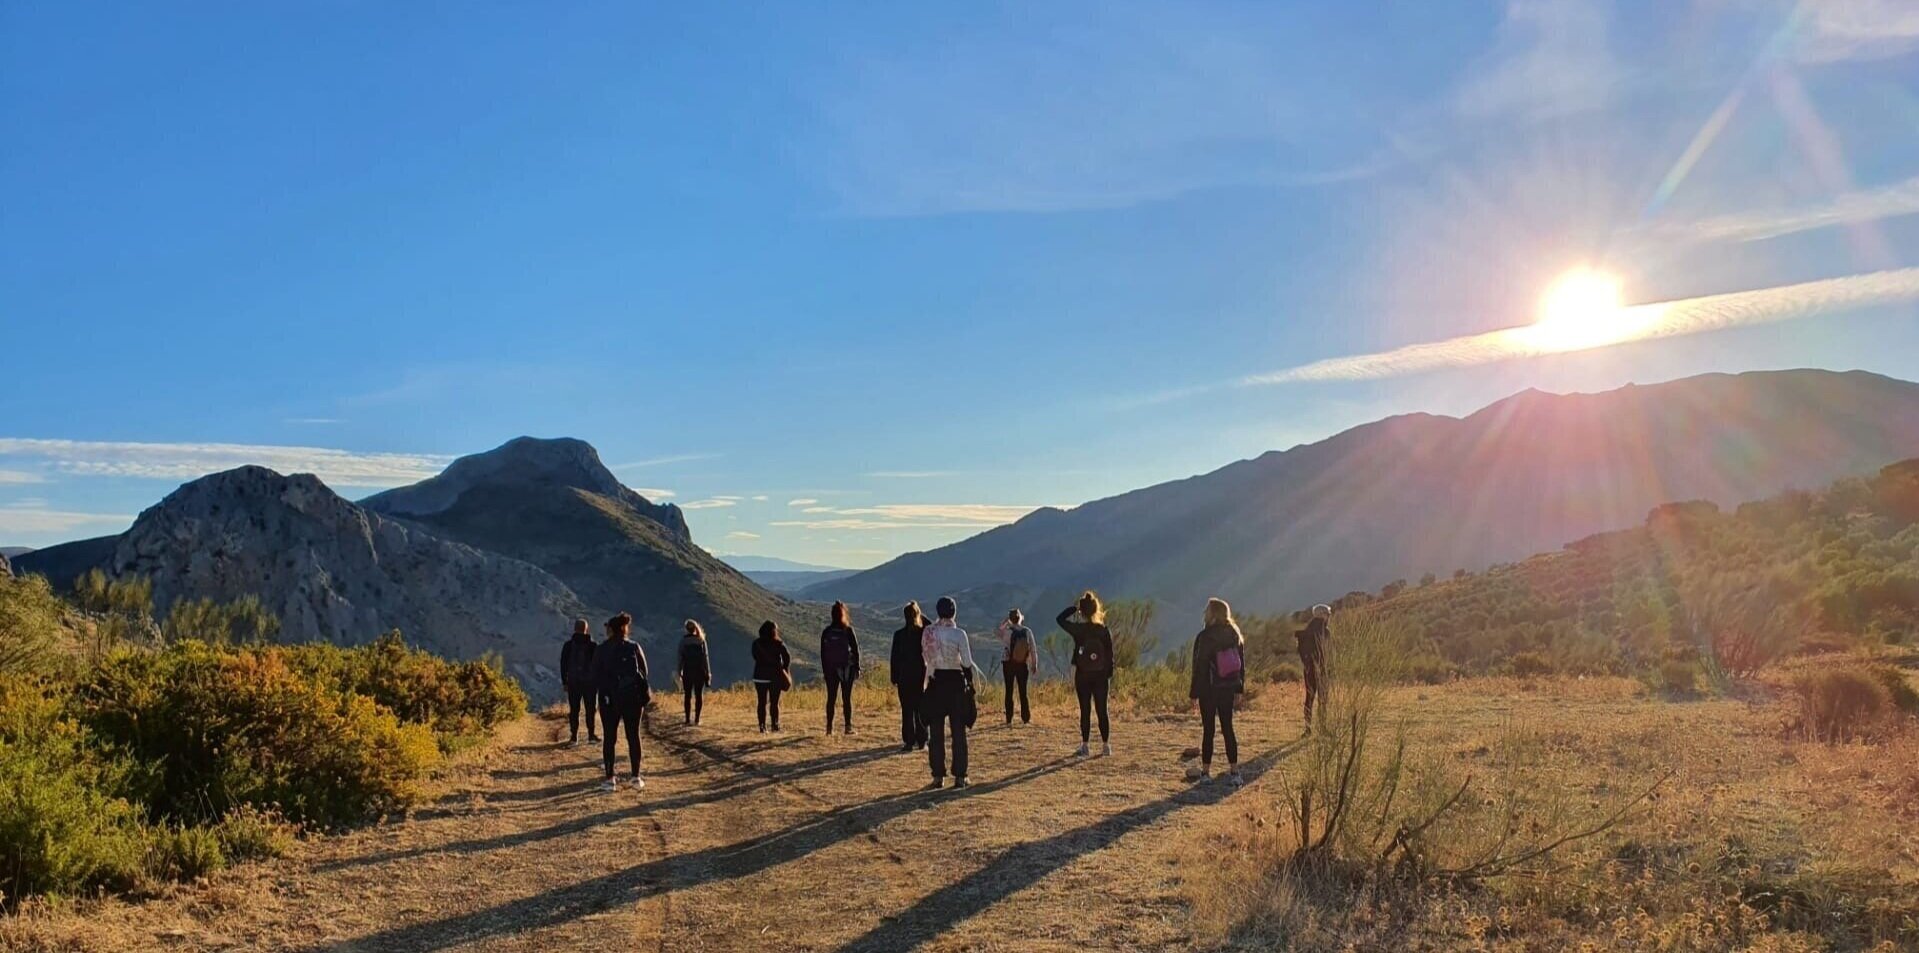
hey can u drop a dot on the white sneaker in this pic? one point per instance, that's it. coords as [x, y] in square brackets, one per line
[639, 783]
[1105, 751]
[1198, 772]
[609, 785]
[1082, 752]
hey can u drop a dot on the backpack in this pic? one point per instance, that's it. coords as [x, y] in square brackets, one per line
[1229, 665]
[1020, 649]
[1090, 661]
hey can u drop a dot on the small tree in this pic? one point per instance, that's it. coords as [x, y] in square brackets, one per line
[1130, 621]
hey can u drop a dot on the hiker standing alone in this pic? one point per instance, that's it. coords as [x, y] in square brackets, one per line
[619, 676]
[772, 671]
[1019, 660]
[1092, 667]
[1219, 674]
[1312, 658]
[909, 677]
[949, 691]
[576, 676]
[840, 659]
[696, 671]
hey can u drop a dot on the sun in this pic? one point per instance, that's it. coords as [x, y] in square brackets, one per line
[1582, 309]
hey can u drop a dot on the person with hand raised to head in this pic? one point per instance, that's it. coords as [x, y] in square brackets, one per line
[1092, 667]
[1219, 674]
[619, 677]
[696, 671]
[840, 660]
[949, 691]
[1019, 660]
[772, 671]
[909, 677]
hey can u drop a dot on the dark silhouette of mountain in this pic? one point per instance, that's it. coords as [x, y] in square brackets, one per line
[553, 504]
[63, 563]
[1422, 493]
[789, 582]
[14, 552]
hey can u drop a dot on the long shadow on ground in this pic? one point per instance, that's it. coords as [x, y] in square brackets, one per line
[1021, 866]
[712, 793]
[670, 873]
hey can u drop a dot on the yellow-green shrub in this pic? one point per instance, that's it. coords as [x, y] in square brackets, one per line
[460, 701]
[63, 827]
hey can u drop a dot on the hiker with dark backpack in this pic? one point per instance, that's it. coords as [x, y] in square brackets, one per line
[1092, 667]
[840, 660]
[1313, 640]
[772, 671]
[1019, 660]
[619, 676]
[576, 676]
[949, 702]
[696, 671]
[909, 677]
[1219, 674]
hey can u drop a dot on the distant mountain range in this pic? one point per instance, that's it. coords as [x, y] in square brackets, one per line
[10, 552]
[753, 564]
[498, 553]
[1422, 493]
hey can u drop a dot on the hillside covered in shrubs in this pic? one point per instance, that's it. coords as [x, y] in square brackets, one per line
[1802, 571]
[134, 751]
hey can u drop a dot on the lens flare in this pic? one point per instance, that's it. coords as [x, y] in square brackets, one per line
[1583, 309]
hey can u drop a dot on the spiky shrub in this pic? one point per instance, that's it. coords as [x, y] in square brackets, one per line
[29, 626]
[1843, 704]
[63, 826]
[459, 701]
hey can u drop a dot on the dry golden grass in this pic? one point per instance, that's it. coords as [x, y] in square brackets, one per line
[805, 842]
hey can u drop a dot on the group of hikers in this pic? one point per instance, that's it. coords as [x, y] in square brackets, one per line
[932, 670]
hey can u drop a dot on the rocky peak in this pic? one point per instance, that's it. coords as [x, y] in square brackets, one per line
[531, 462]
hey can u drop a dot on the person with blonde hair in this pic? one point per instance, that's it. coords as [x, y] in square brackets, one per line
[1219, 673]
[696, 671]
[1092, 667]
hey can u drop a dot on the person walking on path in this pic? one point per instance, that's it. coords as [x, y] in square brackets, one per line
[576, 676]
[1092, 667]
[1020, 660]
[840, 659]
[696, 671]
[1219, 674]
[772, 671]
[1313, 640]
[949, 691]
[909, 677]
[619, 676]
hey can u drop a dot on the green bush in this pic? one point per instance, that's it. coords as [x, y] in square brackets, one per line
[459, 701]
[63, 826]
[1899, 691]
[1528, 665]
[250, 833]
[219, 728]
[185, 852]
[30, 626]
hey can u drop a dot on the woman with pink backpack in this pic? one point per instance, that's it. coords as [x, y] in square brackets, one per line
[1219, 673]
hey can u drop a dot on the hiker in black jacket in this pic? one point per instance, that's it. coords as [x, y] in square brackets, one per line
[909, 674]
[1312, 658]
[772, 671]
[1219, 673]
[696, 671]
[1092, 667]
[619, 676]
[840, 661]
[576, 677]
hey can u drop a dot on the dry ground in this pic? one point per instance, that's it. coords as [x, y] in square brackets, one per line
[798, 841]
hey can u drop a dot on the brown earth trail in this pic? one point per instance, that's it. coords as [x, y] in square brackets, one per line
[741, 841]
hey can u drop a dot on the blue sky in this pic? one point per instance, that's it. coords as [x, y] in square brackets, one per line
[923, 266]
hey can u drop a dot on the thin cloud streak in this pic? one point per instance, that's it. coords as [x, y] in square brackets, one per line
[32, 519]
[1866, 205]
[19, 478]
[1638, 323]
[186, 461]
[663, 461]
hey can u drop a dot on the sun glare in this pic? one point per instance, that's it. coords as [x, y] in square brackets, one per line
[1582, 309]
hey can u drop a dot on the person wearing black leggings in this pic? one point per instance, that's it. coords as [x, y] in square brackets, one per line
[772, 672]
[949, 674]
[1019, 661]
[909, 677]
[840, 661]
[619, 677]
[1092, 667]
[1219, 674]
[696, 671]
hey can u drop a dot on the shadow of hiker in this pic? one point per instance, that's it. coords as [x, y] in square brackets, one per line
[672, 872]
[760, 777]
[1026, 863]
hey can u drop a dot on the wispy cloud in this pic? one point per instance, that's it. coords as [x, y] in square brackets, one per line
[1636, 323]
[708, 504]
[1552, 58]
[24, 519]
[663, 461]
[1858, 30]
[653, 492]
[909, 474]
[312, 420]
[1865, 205]
[742, 534]
[911, 516]
[759, 498]
[20, 478]
[803, 501]
[186, 461]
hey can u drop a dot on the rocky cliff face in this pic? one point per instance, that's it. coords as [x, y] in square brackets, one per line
[336, 572]
[529, 462]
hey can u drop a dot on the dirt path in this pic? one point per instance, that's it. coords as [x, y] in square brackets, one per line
[741, 841]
